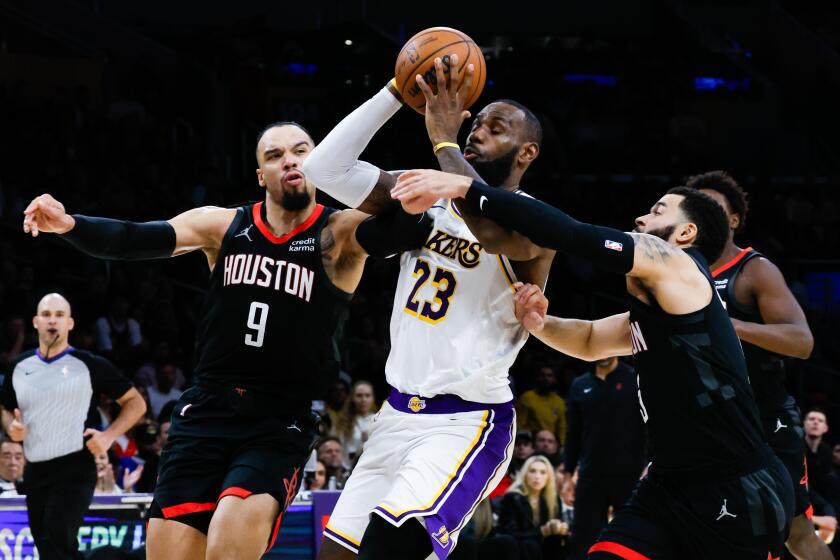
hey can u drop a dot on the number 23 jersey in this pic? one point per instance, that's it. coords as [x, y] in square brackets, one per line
[453, 330]
[271, 318]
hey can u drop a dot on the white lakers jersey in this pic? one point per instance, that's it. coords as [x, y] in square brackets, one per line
[453, 330]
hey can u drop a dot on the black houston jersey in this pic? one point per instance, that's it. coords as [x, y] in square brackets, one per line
[271, 319]
[693, 386]
[766, 369]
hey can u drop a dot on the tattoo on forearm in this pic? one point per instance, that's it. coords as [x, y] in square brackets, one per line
[653, 248]
[377, 201]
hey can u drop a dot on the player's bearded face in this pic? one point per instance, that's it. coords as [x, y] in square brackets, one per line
[295, 200]
[495, 172]
[664, 232]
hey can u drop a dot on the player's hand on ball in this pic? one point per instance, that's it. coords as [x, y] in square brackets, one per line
[98, 442]
[445, 109]
[46, 214]
[530, 306]
[419, 189]
[17, 429]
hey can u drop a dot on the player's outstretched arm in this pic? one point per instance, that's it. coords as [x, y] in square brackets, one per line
[444, 116]
[785, 330]
[585, 340]
[200, 228]
[334, 165]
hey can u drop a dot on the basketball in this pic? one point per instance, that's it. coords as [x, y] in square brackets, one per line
[418, 57]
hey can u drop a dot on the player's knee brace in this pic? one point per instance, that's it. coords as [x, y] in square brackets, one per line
[383, 541]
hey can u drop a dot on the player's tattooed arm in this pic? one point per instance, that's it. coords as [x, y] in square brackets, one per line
[379, 199]
[341, 254]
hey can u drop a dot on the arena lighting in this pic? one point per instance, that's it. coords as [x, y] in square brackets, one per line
[348, 42]
[599, 79]
[709, 83]
[301, 68]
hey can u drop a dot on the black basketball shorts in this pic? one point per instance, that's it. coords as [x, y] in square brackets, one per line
[743, 517]
[214, 450]
[787, 440]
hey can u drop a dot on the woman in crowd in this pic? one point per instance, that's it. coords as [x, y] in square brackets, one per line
[355, 419]
[530, 512]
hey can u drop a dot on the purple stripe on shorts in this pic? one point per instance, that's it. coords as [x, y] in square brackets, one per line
[441, 404]
[346, 542]
[471, 481]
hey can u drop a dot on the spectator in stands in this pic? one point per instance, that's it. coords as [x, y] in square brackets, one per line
[331, 454]
[11, 467]
[542, 408]
[606, 440]
[818, 453]
[162, 354]
[163, 390]
[355, 420]
[479, 540]
[106, 478]
[546, 444]
[530, 511]
[117, 334]
[319, 477]
[337, 395]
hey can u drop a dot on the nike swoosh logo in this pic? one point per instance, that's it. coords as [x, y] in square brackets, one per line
[481, 202]
[28, 372]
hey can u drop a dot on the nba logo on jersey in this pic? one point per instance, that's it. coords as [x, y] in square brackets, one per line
[416, 404]
[441, 536]
[614, 245]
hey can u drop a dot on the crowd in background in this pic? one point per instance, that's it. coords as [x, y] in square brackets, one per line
[130, 154]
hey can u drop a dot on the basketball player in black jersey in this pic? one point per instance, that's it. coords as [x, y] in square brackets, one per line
[282, 273]
[714, 489]
[770, 324]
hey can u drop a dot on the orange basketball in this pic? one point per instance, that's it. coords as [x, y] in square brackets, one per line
[418, 57]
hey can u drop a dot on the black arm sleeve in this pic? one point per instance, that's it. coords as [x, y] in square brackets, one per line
[574, 431]
[120, 240]
[393, 232]
[547, 226]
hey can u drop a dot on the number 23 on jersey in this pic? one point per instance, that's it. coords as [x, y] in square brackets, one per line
[434, 310]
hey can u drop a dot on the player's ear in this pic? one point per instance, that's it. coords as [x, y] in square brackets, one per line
[687, 232]
[35, 322]
[260, 178]
[528, 152]
[70, 323]
[735, 221]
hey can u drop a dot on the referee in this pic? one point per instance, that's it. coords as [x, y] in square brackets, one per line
[48, 399]
[605, 436]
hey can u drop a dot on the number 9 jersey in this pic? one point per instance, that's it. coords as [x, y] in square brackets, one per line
[453, 330]
[271, 318]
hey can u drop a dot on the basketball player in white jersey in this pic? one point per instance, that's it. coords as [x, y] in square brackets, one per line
[443, 439]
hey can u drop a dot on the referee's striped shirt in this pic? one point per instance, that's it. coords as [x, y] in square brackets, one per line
[57, 398]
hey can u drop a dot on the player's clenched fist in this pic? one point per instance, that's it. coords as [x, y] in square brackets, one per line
[46, 214]
[530, 306]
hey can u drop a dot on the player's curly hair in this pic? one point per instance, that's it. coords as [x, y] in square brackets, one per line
[725, 184]
[712, 226]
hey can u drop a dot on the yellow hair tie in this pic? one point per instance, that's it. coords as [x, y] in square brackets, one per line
[446, 145]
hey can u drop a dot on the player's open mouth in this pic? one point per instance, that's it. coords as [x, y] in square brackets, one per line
[52, 331]
[470, 154]
[293, 179]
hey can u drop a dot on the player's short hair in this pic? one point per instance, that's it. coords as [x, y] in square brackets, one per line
[817, 409]
[725, 184]
[533, 129]
[283, 123]
[712, 225]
